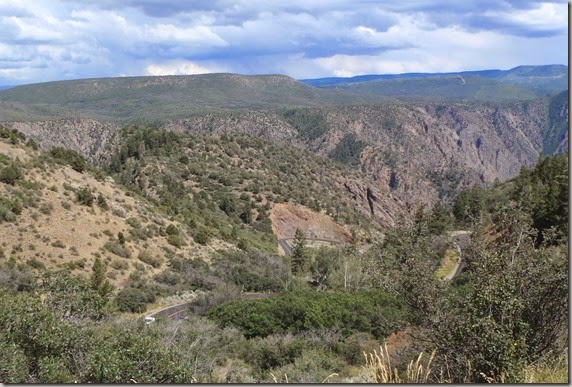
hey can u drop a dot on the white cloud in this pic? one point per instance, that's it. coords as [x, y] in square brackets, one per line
[547, 16]
[179, 68]
[199, 35]
[53, 39]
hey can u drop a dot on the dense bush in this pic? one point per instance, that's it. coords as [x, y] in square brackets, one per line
[9, 209]
[543, 193]
[348, 150]
[85, 196]
[36, 346]
[252, 271]
[374, 312]
[309, 124]
[202, 236]
[132, 300]
[172, 230]
[9, 174]
[69, 157]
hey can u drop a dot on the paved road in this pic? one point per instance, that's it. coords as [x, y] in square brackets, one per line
[288, 249]
[285, 246]
[460, 240]
[175, 312]
[180, 311]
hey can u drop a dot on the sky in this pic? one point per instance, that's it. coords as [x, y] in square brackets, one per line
[48, 40]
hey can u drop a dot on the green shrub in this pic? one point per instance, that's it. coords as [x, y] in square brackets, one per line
[9, 209]
[132, 300]
[9, 174]
[375, 312]
[59, 244]
[35, 263]
[32, 144]
[101, 202]
[172, 230]
[85, 196]
[69, 157]
[202, 236]
[175, 240]
[118, 249]
[153, 260]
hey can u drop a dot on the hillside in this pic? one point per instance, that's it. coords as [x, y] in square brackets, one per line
[421, 152]
[245, 177]
[106, 222]
[219, 193]
[55, 216]
[532, 80]
[152, 99]
[452, 87]
[460, 143]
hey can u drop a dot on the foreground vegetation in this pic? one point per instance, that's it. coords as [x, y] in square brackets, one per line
[504, 318]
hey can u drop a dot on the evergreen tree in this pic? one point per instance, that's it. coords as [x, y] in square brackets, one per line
[299, 255]
[98, 280]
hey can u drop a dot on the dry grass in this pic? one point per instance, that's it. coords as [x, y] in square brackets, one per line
[69, 231]
[548, 371]
[382, 371]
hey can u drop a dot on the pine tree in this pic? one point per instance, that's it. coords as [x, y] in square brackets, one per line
[98, 280]
[299, 255]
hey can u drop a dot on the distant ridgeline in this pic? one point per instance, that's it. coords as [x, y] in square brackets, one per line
[522, 82]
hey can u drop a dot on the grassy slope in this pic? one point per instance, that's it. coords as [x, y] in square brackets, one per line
[444, 88]
[158, 98]
[56, 230]
[183, 182]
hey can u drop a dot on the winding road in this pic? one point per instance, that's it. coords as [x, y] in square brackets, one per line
[460, 240]
[180, 311]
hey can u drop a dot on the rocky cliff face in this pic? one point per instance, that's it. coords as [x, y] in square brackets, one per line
[410, 154]
[421, 153]
[425, 152]
[266, 125]
[92, 139]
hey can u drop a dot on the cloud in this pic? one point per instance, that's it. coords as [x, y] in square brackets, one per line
[180, 68]
[302, 38]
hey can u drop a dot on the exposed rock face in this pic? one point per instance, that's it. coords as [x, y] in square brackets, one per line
[420, 152]
[265, 125]
[379, 203]
[92, 139]
[424, 152]
[414, 153]
[287, 217]
[556, 134]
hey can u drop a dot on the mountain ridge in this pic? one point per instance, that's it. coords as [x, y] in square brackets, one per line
[541, 71]
[424, 151]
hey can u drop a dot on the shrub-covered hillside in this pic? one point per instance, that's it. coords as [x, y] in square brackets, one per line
[480, 287]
